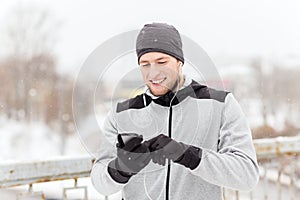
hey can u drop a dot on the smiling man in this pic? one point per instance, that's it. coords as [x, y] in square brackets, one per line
[179, 139]
[161, 72]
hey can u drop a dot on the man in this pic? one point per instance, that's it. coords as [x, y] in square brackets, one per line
[190, 140]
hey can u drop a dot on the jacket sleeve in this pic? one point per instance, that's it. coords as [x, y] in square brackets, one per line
[234, 165]
[100, 177]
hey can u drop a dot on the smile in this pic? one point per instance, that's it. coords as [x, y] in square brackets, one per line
[158, 81]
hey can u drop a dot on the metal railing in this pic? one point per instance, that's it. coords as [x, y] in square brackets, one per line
[279, 170]
[29, 173]
[278, 160]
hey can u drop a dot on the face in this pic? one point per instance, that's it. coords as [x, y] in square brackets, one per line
[161, 72]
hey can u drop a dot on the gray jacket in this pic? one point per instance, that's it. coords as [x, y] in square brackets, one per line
[196, 115]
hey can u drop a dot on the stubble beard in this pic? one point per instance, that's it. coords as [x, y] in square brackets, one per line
[174, 88]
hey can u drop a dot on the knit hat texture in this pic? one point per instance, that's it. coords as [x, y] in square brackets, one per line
[159, 37]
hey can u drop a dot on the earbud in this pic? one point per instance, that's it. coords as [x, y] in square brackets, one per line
[180, 64]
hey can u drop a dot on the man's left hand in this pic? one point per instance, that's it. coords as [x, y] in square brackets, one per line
[163, 147]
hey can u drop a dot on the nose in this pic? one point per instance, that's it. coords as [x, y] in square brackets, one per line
[154, 71]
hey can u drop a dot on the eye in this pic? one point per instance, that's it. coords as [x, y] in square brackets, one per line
[162, 62]
[145, 65]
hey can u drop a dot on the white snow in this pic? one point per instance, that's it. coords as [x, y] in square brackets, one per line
[36, 141]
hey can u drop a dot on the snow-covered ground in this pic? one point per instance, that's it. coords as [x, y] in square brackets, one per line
[35, 141]
[31, 141]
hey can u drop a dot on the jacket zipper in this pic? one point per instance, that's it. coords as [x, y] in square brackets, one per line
[169, 163]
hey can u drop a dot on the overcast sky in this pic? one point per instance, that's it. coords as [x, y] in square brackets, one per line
[231, 27]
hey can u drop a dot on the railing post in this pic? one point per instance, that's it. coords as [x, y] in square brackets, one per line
[223, 193]
[251, 195]
[76, 187]
[237, 195]
[292, 187]
[266, 182]
[30, 193]
[279, 183]
[292, 179]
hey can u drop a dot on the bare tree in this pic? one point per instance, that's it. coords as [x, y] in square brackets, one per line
[30, 63]
[263, 87]
[279, 94]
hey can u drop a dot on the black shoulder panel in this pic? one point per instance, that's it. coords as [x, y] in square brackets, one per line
[208, 93]
[133, 103]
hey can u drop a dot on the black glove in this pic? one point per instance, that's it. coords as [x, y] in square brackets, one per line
[132, 157]
[163, 147]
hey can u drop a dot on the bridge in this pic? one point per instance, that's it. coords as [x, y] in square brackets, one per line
[68, 177]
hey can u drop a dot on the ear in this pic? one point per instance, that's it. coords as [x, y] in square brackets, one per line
[180, 64]
[180, 67]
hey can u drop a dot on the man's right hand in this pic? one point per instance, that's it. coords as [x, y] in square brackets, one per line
[131, 158]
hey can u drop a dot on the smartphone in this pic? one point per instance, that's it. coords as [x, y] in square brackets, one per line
[123, 138]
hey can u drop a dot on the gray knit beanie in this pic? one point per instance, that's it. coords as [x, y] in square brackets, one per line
[159, 37]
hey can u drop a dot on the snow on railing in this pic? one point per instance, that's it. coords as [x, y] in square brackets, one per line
[278, 159]
[279, 167]
[276, 147]
[31, 172]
